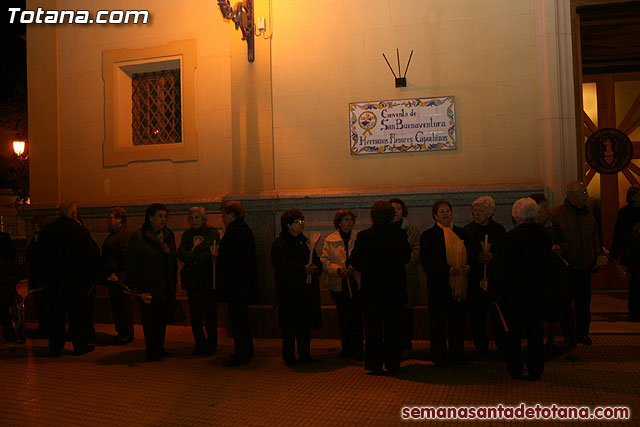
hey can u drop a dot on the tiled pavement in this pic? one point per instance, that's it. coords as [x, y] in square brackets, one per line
[117, 386]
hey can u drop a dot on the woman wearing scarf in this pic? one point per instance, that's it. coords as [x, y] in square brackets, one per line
[152, 269]
[344, 283]
[444, 255]
[298, 301]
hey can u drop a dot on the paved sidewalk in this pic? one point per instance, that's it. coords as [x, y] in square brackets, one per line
[117, 386]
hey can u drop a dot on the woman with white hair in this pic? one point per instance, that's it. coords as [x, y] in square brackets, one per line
[522, 260]
[483, 228]
[197, 279]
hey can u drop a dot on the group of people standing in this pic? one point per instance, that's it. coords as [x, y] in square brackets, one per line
[533, 281]
[66, 263]
[538, 274]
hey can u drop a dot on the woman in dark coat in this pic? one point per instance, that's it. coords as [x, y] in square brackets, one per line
[152, 269]
[522, 263]
[380, 254]
[298, 302]
[237, 278]
[197, 279]
[443, 255]
[626, 245]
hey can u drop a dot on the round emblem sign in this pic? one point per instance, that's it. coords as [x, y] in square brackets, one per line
[609, 151]
[367, 121]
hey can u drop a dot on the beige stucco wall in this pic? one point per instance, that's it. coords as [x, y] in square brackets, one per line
[329, 53]
[81, 174]
[281, 123]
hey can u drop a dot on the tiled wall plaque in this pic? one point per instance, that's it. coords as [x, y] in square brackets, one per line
[404, 125]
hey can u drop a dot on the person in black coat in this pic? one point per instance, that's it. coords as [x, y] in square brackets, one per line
[35, 279]
[114, 248]
[70, 261]
[9, 277]
[152, 273]
[298, 301]
[626, 245]
[197, 279]
[483, 225]
[237, 278]
[522, 264]
[380, 254]
[443, 255]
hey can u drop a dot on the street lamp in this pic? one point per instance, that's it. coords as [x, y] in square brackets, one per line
[18, 147]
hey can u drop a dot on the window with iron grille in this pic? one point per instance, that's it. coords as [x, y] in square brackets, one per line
[156, 113]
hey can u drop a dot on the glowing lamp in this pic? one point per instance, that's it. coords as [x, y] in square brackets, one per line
[18, 147]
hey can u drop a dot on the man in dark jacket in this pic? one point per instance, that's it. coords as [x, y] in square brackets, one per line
[70, 260]
[380, 254]
[576, 232]
[113, 271]
[237, 278]
[197, 279]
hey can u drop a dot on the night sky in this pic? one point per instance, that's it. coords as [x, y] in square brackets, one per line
[13, 78]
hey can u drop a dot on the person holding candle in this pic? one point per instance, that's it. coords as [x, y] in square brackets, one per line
[237, 278]
[443, 255]
[298, 301]
[197, 279]
[484, 236]
[344, 283]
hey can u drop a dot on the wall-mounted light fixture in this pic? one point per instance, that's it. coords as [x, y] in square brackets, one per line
[242, 16]
[400, 81]
[18, 147]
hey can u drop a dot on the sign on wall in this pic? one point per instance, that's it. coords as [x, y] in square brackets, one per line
[404, 125]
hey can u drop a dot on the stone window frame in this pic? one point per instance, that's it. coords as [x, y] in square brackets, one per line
[117, 67]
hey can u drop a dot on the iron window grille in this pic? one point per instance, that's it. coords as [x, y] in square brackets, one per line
[156, 112]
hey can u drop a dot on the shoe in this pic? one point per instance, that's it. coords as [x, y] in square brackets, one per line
[532, 377]
[393, 371]
[164, 353]
[207, 351]
[153, 356]
[237, 361]
[84, 350]
[377, 373]
[120, 340]
[290, 360]
[585, 340]
[307, 359]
